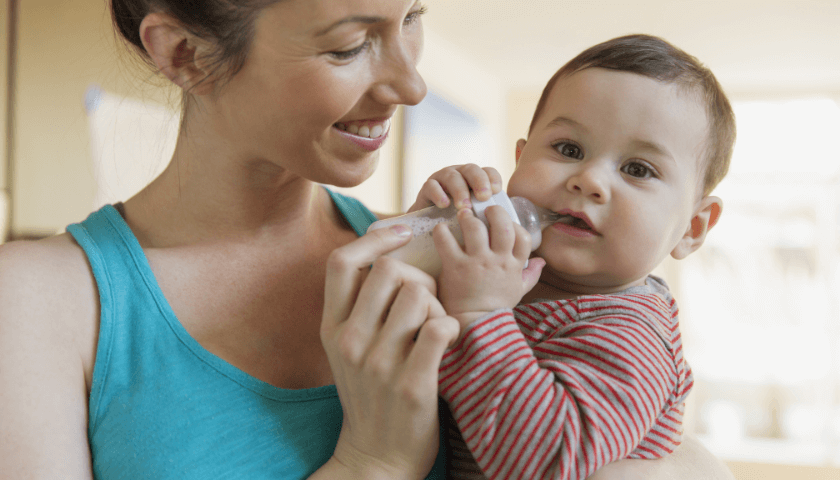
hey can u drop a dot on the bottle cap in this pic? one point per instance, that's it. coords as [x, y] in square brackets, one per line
[500, 199]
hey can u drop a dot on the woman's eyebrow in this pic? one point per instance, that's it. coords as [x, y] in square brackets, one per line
[353, 19]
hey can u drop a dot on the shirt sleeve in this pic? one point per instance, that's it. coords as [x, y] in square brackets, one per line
[557, 399]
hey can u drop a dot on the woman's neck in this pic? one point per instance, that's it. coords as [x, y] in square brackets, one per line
[208, 193]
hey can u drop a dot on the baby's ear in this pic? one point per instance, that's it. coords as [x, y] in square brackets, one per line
[520, 144]
[705, 217]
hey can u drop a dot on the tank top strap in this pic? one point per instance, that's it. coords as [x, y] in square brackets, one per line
[116, 260]
[356, 214]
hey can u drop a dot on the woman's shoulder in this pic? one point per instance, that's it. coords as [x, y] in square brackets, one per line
[47, 290]
[49, 267]
[47, 324]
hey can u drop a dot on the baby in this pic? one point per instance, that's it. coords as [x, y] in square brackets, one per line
[585, 368]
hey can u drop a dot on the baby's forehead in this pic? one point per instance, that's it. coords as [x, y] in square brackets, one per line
[633, 110]
[593, 92]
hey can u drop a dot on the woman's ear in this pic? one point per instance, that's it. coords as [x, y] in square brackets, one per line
[706, 215]
[178, 54]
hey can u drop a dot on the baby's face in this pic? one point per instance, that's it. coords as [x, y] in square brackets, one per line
[622, 151]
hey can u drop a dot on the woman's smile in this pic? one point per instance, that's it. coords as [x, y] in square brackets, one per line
[368, 134]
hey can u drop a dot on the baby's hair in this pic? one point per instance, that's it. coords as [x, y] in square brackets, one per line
[655, 58]
[227, 24]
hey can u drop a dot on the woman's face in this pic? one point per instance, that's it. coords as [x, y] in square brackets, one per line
[321, 82]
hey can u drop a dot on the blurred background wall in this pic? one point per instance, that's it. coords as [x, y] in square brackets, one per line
[760, 302]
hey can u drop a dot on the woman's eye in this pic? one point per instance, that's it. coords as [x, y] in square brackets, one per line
[569, 150]
[348, 54]
[637, 170]
[415, 15]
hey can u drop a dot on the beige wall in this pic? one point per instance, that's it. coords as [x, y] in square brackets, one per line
[4, 60]
[63, 47]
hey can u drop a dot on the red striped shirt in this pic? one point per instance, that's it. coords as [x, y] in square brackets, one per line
[558, 389]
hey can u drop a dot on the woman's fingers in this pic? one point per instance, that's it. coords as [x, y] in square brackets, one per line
[435, 336]
[376, 297]
[347, 267]
[413, 305]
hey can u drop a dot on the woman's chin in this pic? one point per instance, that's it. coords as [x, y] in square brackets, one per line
[354, 175]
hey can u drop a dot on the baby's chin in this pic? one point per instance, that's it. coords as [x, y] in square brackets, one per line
[571, 284]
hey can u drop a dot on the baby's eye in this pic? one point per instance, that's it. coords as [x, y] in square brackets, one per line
[569, 150]
[638, 170]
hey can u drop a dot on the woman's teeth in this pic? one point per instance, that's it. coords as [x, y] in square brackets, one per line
[367, 131]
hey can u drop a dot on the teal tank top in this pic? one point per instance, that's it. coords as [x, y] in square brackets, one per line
[163, 407]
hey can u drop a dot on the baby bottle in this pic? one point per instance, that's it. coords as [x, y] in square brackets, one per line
[421, 252]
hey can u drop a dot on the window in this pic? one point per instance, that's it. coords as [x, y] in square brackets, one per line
[761, 299]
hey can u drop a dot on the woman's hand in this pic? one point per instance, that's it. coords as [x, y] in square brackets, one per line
[455, 182]
[384, 333]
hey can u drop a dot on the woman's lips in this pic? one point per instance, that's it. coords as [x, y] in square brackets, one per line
[370, 135]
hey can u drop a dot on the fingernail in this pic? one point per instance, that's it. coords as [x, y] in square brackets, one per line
[466, 203]
[401, 230]
[483, 192]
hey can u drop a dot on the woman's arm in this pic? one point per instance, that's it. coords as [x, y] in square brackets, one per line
[690, 461]
[48, 309]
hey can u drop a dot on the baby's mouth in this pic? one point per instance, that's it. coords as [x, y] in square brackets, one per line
[573, 221]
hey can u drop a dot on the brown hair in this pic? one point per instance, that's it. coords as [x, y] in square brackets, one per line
[655, 58]
[227, 24]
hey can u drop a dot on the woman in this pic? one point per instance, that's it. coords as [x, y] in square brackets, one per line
[188, 332]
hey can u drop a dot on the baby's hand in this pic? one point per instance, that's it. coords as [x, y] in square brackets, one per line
[456, 182]
[487, 273]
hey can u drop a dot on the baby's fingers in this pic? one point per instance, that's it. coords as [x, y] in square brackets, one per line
[432, 193]
[503, 235]
[476, 237]
[484, 182]
[522, 243]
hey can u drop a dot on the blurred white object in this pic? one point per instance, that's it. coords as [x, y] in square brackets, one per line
[724, 421]
[131, 141]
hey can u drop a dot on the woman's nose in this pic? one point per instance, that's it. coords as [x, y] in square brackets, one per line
[399, 81]
[591, 180]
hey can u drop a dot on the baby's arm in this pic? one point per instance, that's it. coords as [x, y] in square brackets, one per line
[486, 273]
[553, 397]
